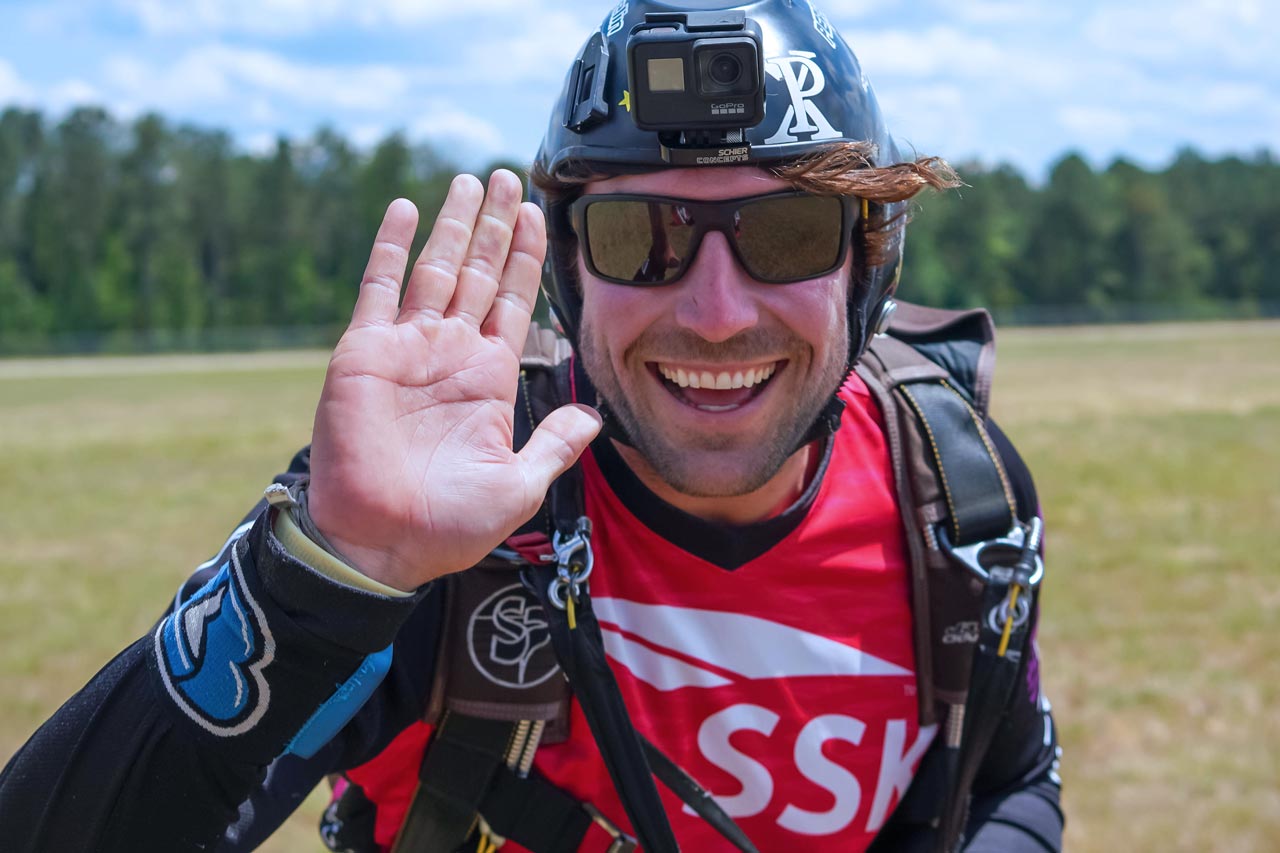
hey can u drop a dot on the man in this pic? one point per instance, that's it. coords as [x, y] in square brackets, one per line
[754, 584]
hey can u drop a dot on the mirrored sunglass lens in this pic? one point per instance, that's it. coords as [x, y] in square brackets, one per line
[789, 238]
[638, 241]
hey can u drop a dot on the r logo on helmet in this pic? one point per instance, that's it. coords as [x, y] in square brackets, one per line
[804, 80]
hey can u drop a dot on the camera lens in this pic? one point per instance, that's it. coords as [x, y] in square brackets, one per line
[725, 69]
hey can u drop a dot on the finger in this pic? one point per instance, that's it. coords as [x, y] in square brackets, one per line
[556, 444]
[487, 254]
[435, 272]
[518, 289]
[379, 298]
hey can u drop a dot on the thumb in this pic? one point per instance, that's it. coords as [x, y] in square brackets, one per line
[556, 444]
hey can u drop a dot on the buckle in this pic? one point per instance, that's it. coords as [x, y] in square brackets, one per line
[622, 843]
[574, 562]
[1011, 568]
[1018, 551]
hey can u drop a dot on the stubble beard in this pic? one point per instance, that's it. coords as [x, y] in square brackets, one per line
[714, 466]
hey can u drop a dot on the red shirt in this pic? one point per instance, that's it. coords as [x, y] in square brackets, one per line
[785, 686]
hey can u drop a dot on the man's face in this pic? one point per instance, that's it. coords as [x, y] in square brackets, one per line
[641, 346]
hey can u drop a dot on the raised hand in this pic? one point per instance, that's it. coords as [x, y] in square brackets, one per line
[412, 470]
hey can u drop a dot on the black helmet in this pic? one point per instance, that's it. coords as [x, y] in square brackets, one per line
[815, 95]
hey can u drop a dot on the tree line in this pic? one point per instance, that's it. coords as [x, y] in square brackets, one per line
[110, 230]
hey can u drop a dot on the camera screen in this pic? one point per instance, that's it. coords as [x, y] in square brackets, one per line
[666, 75]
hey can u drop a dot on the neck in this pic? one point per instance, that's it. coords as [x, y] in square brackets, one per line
[782, 490]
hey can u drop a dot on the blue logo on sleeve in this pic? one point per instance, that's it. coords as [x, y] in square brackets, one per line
[212, 650]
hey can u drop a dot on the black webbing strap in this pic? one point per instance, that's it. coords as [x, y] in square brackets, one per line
[995, 677]
[980, 502]
[580, 651]
[695, 796]
[462, 760]
[535, 814]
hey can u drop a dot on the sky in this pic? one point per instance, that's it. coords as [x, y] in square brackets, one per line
[1020, 82]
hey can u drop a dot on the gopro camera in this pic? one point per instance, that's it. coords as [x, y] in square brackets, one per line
[697, 79]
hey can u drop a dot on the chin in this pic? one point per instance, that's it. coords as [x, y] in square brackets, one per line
[704, 473]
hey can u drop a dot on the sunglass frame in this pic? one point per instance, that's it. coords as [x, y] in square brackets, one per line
[711, 215]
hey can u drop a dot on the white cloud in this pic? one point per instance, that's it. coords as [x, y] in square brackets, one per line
[12, 89]
[537, 50]
[261, 111]
[1098, 121]
[938, 52]
[933, 118]
[261, 142]
[989, 12]
[846, 10]
[71, 93]
[367, 135]
[443, 122]
[1192, 36]
[292, 17]
[223, 74]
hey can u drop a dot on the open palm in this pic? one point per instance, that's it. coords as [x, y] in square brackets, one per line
[412, 469]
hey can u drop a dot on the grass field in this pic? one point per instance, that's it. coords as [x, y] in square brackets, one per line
[1156, 450]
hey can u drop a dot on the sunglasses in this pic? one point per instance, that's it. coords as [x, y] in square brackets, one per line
[646, 240]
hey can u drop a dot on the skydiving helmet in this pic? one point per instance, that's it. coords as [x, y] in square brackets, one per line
[663, 85]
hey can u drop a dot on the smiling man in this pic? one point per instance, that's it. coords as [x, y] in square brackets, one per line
[717, 381]
[754, 537]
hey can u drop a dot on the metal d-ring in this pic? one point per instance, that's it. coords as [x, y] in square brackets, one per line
[999, 615]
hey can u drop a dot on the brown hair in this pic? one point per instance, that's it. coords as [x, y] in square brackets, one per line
[843, 168]
[846, 169]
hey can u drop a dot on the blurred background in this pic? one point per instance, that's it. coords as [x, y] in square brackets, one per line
[187, 195]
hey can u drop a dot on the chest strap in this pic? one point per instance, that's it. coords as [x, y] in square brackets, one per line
[538, 815]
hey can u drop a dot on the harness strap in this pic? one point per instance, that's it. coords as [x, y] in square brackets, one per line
[998, 665]
[580, 650]
[465, 756]
[980, 504]
[695, 796]
[964, 505]
[535, 813]
[528, 809]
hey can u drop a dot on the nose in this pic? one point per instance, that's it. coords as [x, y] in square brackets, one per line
[716, 302]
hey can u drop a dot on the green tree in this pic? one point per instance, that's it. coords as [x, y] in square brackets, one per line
[24, 315]
[66, 217]
[203, 162]
[1154, 250]
[1065, 261]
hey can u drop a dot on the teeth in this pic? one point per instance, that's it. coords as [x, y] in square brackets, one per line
[723, 381]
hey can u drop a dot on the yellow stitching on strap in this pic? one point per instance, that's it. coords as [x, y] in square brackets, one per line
[942, 474]
[995, 457]
[533, 425]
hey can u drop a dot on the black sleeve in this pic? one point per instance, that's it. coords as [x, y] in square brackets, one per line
[1016, 794]
[399, 701]
[165, 743]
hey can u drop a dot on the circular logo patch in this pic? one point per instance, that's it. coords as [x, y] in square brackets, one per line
[509, 641]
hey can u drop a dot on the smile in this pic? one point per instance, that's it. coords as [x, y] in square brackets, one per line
[715, 390]
[722, 381]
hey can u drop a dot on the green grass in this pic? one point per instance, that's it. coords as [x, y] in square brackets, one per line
[1157, 458]
[1156, 451]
